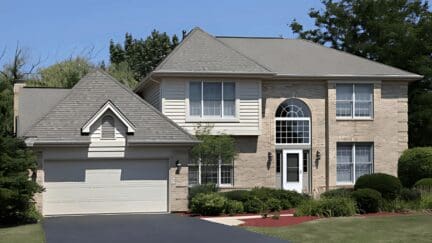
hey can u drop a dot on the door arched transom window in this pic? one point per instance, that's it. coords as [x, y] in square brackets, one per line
[108, 127]
[293, 122]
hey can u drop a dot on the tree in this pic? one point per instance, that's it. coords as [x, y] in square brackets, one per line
[397, 33]
[141, 55]
[64, 74]
[123, 73]
[16, 189]
[212, 150]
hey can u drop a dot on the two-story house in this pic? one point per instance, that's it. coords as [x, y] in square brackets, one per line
[304, 117]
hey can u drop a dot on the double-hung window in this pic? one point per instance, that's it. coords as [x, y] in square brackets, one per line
[212, 99]
[354, 101]
[353, 161]
[203, 172]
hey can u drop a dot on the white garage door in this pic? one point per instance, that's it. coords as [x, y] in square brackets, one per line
[105, 186]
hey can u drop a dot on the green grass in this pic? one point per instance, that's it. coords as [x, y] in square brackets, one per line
[412, 228]
[30, 233]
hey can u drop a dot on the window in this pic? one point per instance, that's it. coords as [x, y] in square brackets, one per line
[292, 123]
[220, 173]
[354, 100]
[212, 99]
[108, 127]
[353, 161]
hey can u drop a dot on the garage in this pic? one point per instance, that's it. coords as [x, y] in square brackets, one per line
[105, 186]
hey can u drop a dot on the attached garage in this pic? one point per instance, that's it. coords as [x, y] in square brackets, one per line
[105, 186]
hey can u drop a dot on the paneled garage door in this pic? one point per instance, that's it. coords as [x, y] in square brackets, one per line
[105, 186]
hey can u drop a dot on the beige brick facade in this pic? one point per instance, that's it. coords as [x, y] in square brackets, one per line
[387, 131]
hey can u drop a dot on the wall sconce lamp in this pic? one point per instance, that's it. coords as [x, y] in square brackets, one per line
[178, 164]
[269, 159]
[317, 158]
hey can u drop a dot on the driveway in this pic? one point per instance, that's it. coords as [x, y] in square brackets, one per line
[158, 228]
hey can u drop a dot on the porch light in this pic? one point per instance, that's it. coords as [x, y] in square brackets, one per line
[318, 155]
[269, 156]
[178, 164]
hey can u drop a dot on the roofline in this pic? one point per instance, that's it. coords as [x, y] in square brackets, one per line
[349, 76]
[165, 143]
[250, 37]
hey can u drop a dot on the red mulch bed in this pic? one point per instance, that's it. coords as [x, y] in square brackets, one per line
[282, 221]
[289, 211]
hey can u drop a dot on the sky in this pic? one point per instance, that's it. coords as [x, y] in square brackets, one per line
[53, 30]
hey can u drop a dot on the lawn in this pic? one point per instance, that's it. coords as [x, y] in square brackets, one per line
[30, 233]
[412, 228]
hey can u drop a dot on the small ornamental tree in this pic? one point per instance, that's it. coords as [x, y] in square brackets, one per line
[212, 150]
[16, 187]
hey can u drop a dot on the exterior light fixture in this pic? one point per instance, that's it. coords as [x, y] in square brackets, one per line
[178, 164]
[318, 155]
[269, 159]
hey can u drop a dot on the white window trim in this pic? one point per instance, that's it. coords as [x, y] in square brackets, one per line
[219, 175]
[292, 119]
[222, 118]
[353, 149]
[353, 116]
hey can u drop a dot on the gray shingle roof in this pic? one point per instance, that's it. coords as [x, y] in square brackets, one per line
[35, 103]
[201, 52]
[64, 121]
[305, 58]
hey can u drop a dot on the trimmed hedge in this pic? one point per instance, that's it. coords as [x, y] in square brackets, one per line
[415, 164]
[237, 195]
[327, 207]
[273, 205]
[424, 185]
[208, 204]
[233, 207]
[288, 199]
[368, 200]
[410, 195]
[341, 192]
[197, 189]
[254, 205]
[389, 186]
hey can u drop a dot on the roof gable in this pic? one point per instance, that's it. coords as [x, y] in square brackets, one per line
[111, 107]
[96, 90]
[201, 52]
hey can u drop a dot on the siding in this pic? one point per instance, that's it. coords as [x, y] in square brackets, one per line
[151, 94]
[107, 148]
[248, 104]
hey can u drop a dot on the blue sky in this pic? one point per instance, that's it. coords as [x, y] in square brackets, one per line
[56, 29]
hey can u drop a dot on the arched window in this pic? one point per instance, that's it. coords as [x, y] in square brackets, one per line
[108, 127]
[292, 122]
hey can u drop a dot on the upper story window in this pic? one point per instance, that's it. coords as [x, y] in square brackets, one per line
[108, 127]
[212, 99]
[354, 100]
[292, 122]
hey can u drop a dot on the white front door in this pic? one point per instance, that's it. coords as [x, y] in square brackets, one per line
[292, 175]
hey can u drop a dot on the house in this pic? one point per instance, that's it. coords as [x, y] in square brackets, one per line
[304, 117]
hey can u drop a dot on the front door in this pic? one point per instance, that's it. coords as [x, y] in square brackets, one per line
[292, 175]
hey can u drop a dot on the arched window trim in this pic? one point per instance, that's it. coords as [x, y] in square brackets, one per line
[104, 133]
[306, 118]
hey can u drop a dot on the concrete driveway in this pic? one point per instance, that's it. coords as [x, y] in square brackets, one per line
[158, 228]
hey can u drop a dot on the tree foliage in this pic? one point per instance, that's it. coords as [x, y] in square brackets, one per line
[141, 55]
[397, 33]
[16, 189]
[123, 73]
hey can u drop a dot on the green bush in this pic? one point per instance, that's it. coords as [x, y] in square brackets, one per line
[341, 192]
[288, 199]
[233, 207]
[395, 205]
[273, 205]
[368, 200]
[410, 195]
[426, 201]
[327, 207]
[237, 195]
[424, 185]
[208, 204]
[204, 188]
[415, 164]
[389, 186]
[254, 205]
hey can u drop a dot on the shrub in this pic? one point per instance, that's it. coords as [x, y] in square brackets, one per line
[424, 185]
[368, 200]
[208, 204]
[273, 205]
[395, 205]
[341, 192]
[254, 205]
[237, 195]
[204, 188]
[233, 207]
[410, 195]
[389, 186]
[415, 164]
[287, 199]
[327, 207]
[426, 201]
